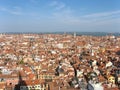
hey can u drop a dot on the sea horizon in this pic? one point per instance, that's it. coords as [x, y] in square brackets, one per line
[77, 33]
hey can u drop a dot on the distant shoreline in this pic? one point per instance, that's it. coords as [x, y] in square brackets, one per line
[77, 33]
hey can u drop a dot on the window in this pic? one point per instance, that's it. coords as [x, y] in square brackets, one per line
[45, 77]
[39, 86]
[21, 87]
[50, 77]
[30, 87]
[10, 83]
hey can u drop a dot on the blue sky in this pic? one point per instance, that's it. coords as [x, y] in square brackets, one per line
[59, 15]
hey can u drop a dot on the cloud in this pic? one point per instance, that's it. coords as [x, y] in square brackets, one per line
[57, 5]
[60, 10]
[61, 6]
[65, 14]
[98, 21]
[14, 10]
[102, 14]
[54, 3]
[3, 9]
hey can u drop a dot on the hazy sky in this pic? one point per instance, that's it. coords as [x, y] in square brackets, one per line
[59, 15]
